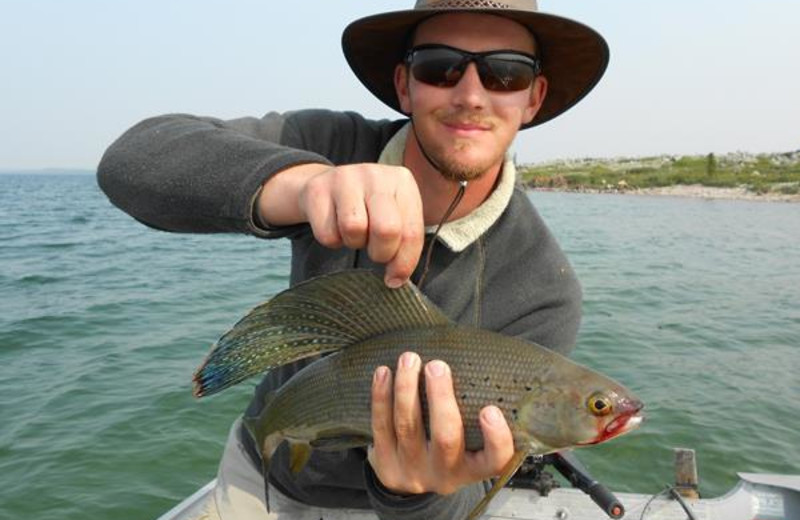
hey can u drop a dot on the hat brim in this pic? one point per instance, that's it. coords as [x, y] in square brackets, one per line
[574, 56]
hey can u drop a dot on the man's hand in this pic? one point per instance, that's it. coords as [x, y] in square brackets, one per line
[359, 205]
[403, 459]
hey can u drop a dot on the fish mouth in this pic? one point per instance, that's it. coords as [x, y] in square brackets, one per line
[623, 424]
[628, 420]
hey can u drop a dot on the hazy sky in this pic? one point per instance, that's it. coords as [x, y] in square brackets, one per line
[686, 76]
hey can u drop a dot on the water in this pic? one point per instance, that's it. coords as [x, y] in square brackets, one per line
[694, 304]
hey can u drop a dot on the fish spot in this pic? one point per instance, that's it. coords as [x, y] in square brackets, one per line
[486, 379]
[514, 413]
[464, 397]
[500, 399]
[528, 388]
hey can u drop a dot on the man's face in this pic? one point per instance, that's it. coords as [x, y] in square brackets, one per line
[466, 128]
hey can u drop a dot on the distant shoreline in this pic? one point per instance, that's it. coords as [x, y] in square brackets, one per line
[771, 177]
[696, 191]
[48, 171]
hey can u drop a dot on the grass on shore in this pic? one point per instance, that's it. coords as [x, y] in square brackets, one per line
[764, 173]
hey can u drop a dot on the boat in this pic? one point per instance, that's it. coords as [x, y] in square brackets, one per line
[756, 496]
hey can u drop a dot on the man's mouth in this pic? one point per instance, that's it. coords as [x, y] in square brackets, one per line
[467, 124]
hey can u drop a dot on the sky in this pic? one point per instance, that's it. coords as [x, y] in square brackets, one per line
[686, 77]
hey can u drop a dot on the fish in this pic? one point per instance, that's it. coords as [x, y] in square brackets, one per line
[550, 402]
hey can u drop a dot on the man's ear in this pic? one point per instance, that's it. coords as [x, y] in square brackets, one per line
[401, 87]
[538, 93]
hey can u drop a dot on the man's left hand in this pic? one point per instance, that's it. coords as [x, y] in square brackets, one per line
[404, 460]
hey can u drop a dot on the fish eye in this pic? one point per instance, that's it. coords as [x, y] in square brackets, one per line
[599, 404]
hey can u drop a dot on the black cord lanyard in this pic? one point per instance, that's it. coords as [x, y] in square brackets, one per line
[459, 195]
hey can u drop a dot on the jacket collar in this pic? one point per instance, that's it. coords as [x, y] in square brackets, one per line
[458, 234]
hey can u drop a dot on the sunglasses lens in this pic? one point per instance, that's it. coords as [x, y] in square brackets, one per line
[500, 72]
[438, 67]
[506, 73]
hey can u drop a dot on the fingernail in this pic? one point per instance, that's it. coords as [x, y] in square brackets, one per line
[437, 368]
[380, 374]
[394, 283]
[493, 415]
[408, 360]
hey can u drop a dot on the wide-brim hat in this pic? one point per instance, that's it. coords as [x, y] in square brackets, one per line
[574, 56]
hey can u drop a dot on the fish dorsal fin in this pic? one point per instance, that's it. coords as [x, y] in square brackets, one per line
[320, 315]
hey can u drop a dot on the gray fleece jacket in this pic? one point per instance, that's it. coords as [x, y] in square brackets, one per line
[194, 174]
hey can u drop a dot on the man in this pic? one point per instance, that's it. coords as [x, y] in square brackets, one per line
[350, 192]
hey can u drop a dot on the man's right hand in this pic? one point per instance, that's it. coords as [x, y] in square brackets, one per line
[372, 206]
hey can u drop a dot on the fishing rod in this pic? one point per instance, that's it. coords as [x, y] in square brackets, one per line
[570, 467]
[532, 476]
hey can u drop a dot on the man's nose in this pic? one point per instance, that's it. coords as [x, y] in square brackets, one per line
[469, 91]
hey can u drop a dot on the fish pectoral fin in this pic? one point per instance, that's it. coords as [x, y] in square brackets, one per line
[270, 444]
[511, 468]
[299, 453]
[332, 440]
[340, 439]
[265, 475]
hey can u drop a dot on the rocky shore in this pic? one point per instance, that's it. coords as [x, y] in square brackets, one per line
[739, 176]
[693, 190]
[706, 192]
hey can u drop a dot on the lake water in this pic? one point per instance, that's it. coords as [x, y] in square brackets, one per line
[694, 304]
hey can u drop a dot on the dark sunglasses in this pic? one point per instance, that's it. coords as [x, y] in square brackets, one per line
[499, 71]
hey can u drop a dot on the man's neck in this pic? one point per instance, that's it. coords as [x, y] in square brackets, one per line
[437, 192]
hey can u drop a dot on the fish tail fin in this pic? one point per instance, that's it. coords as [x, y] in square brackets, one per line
[320, 315]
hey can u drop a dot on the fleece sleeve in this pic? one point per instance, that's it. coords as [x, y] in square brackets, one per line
[187, 173]
[428, 506]
[194, 174]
